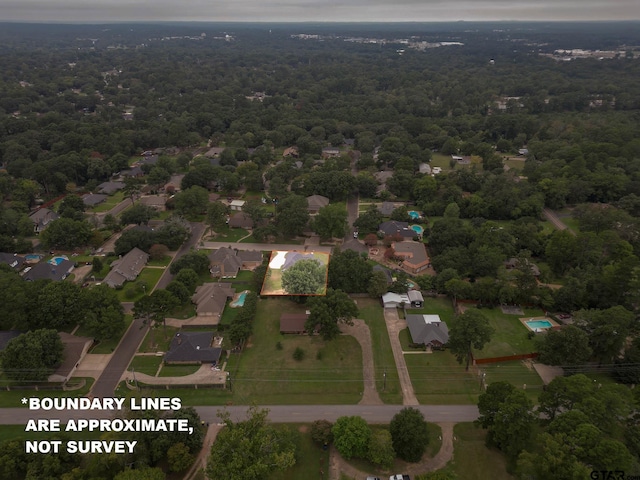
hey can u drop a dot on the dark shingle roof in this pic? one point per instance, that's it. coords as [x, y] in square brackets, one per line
[47, 271]
[193, 347]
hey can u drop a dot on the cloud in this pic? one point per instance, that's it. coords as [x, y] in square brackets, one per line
[318, 10]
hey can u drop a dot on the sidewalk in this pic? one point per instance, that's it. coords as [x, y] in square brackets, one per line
[204, 376]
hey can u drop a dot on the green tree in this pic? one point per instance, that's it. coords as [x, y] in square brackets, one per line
[305, 277]
[139, 214]
[607, 330]
[512, 424]
[197, 261]
[292, 215]
[567, 346]
[381, 450]
[173, 232]
[490, 401]
[59, 304]
[104, 314]
[158, 176]
[410, 434]
[144, 473]
[134, 238]
[72, 207]
[32, 356]
[321, 432]
[250, 449]
[192, 201]
[561, 251]
[131, 188]
[330, 222]
[349, 272]
[216, 215]
[351, 437]
[470, 330]
[179, 457]
[66, 234]
[369, 221]
[378, 285]
[329, 311]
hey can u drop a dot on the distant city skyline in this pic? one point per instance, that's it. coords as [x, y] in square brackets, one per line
[91, 11]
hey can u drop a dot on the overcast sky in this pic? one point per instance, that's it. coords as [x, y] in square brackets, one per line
[316, 10]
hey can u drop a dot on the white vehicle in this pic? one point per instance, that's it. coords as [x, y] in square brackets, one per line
[399, 477]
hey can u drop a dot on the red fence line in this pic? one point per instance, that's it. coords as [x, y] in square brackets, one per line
[479, 361]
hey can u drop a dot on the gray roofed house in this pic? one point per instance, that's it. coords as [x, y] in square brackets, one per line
[13, 260]
[75, 348]
[414, 255]
[133, 172]
[148, 160]
[211, 299]
[227, 262]
[290, 258]
[386, 209]
[110, 187]
[42, 217]
[126, 268]
[394, 227]
[214, 152]
[386, 271]
[329, 152]
[48, 271]
[428, 330]
[512, 263]
[316, 202]
[157, 202]
[93, 199]
[6, 336]
[355, 245]
[193, 347]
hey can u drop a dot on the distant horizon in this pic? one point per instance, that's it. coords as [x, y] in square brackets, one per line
[316, 11]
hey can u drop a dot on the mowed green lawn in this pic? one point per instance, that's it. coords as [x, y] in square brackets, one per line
[331, 372]
[510, 336]
[371, 312]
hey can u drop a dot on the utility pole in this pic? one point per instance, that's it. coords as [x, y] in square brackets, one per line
[134, 378]
[384, 377]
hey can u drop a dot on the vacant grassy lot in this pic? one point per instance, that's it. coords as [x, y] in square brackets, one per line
[158, 339]
[520, 374]
[231, 235]
[371, 312]
[311, 459]
[147, 364]
[133, 291]
[331, 372]
[11, 399]
[438, 378]
[109, 203]
[472, 460]
[510, 337]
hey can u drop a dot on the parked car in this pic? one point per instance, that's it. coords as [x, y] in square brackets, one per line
[399, 477]
[373, 478]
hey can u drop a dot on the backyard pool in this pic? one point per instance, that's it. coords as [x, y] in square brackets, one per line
[413, 215]
[537, 325]
[240, 301]
[57, 260]
[417, 228]
[32, 257]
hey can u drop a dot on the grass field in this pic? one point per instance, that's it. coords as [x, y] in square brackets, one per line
[517, 373]
[231, 235]
[11, 399]
[310, 458]
[163, 262]
[159, 337]
[371, 313]
[510, 337]
[147, 364]
[148, 277]
[472, 460]
[331, 372]
[16, 432]
[109, 203]
[178, 370]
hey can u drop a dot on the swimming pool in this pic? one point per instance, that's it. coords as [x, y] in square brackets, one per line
[240, 301]
[536, 325]
[418, 229]
[57, 260]
[32, 257]
[413, 215]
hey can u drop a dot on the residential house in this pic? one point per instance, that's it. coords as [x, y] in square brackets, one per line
[414, 255]
[48, 271]
[416, 299]
[93, 199]
[425, 168]
[75, 348]
[109, 188]
[315, 203]
[290, 152]
[330, 152]
[173, 185]
[194, 347]
[14, 260]
[214, 152]
[293, 323]
[395, 300]
[126, 268]
[148, 160]
[355, 245]
[386, 271]
[240, 220]
[41, 218]
[237, 205]
[461, 159]
[157, 202]
[428, 330]
[382, 178]
[227, 262]
[512, 264]
[394, 227]
[523, 151]
[386, 209]
[211, 299]
[134, 172]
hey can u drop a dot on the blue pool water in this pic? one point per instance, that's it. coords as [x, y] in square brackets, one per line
[32, 256]
[240, 301]
[57, 260]
[535, 324]
[417, 228]
[414, 215]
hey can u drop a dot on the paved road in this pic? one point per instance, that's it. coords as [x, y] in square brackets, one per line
[131, 340]
[277, 413]
[267, 246]
[197, 229]
[555, 221]
[352, 215]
